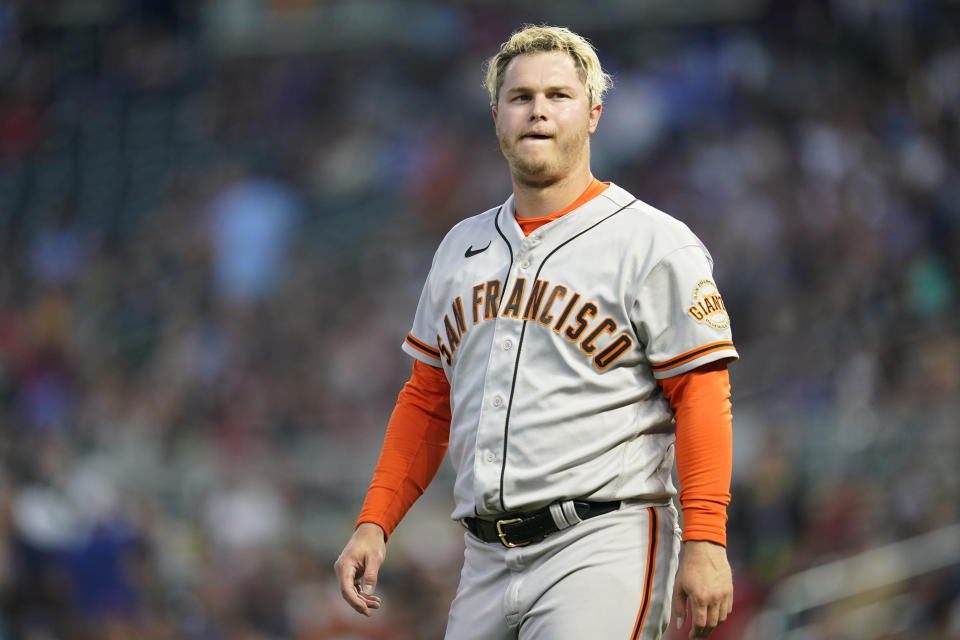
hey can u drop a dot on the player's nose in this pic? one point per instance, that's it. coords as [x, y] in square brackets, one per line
[538, 107]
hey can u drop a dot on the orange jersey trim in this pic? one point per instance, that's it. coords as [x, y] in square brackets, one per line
[416, 441]
[701, 405]
[529, 225]
[422, 347]
[684, 358]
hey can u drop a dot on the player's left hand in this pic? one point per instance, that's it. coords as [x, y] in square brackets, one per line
[704, 580]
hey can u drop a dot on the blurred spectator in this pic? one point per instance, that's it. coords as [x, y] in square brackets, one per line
[251, 223]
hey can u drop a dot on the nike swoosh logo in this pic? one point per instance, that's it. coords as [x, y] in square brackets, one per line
[470, 252]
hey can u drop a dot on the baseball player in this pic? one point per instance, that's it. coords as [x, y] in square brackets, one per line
[569, 344]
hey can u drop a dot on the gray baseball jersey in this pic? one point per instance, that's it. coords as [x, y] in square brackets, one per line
[552, 344]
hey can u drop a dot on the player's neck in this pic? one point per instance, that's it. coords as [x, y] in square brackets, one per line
[534, 201]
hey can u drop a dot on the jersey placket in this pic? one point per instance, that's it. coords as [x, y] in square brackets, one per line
[498, 387]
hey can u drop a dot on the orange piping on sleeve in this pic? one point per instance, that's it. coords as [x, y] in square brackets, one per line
[413, 448]
[701, 403]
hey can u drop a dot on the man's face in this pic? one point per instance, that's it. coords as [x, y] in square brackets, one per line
[543, 118]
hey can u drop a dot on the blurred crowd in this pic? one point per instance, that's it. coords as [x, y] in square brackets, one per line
[209, 262]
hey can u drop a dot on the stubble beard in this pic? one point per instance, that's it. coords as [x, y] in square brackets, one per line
[543, 172]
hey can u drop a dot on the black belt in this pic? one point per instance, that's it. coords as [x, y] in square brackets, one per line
[519, 529]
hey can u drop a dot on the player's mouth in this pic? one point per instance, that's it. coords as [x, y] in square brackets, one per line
[536, 135]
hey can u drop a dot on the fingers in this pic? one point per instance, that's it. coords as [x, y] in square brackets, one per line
[369, 582]
[358, 566]
[712, 616]
[358, 579]
[704, 584]
[372, 601]
[346, 570]
[706, 617]
[701, 627]
[679, 607]
[365, 585]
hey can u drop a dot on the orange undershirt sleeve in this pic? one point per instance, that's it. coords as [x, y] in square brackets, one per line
[701, 405]
[413, 448]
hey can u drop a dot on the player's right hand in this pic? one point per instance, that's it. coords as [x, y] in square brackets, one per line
[358, 565]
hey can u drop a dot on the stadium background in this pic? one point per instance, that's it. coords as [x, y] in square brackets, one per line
[216, 218]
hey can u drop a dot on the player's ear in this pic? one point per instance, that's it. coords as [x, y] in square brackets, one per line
[493, 110]
[595, 112]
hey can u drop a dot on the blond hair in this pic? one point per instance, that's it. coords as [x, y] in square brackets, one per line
[545, 39]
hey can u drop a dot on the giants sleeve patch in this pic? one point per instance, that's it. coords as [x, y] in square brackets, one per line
[708, 306]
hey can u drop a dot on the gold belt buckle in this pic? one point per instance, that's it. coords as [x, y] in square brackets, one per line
[503, 536]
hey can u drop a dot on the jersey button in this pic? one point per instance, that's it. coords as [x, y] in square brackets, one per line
[489, 456]
[524, 264]
[497, 401]
[507, 344]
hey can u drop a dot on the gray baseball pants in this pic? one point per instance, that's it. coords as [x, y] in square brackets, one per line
[609, 577]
